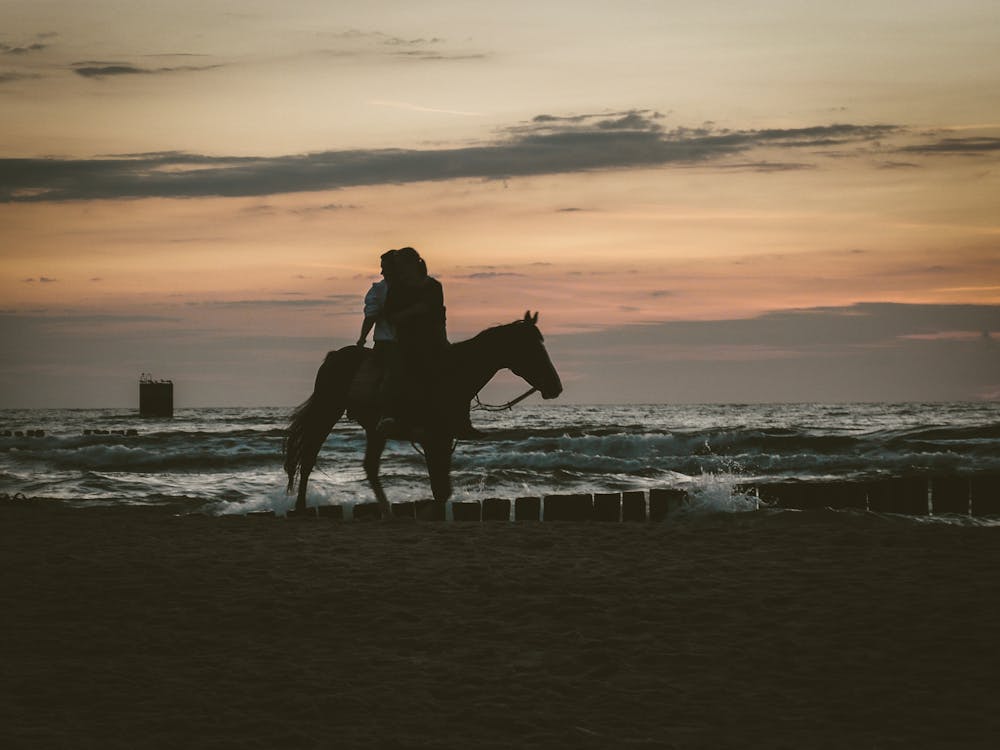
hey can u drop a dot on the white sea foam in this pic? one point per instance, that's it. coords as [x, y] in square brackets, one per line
[718, 493]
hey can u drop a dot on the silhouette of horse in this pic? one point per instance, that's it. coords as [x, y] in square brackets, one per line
[466, 368]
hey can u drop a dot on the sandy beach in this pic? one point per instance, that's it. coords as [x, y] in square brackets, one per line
[133, 629]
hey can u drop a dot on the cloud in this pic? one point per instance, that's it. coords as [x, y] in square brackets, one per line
[267, 209]
[81, 318]
[395, 41]
[489, 275]
[641, 119]
[381, 37]
[355, 43]
[863, 352]
[13, 75]
[111, 70]
[326, 208]
[870, 352]
[550, 145]
[265, 303]
[766, 166]
[40, 279]
[25, 50]
[861, 324]
[429, 55]
[968, 146]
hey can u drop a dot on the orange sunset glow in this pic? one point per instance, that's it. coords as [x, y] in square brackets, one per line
[705, 202]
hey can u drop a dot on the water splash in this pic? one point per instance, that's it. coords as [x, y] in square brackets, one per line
[718, 493]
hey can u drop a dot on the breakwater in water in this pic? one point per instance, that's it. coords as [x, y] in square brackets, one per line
[918, 496]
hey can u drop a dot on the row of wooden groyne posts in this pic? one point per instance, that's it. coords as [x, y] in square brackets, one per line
[976, 495]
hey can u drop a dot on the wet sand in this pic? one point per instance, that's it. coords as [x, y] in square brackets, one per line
[131, 629]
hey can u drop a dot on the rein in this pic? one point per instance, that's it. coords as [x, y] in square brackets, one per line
[501, 407]
[480, 406]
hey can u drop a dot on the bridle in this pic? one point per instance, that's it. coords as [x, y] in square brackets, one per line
[480, 406]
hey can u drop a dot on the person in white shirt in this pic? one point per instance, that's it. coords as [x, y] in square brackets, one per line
[385, 332]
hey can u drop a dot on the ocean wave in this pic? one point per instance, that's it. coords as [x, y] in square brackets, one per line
[234, 456]
[779, 450]
[127, 458]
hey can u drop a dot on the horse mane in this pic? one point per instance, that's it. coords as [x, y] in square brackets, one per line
[490, 335]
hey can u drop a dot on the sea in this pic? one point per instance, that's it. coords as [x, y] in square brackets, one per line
[229, 460]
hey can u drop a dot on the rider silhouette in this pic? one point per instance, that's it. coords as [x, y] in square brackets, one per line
[414, 306]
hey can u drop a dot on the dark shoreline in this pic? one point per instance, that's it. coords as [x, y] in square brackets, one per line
[128, 629]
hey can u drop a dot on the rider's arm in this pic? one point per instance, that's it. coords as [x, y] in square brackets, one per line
[366, 327]
[374, 304]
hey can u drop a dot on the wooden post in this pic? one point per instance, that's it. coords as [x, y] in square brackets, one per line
[782, 494]
[404, 510]
[908, 495]
[634, 505]
[662, 502]
[607, 506]
[528, 509]
[430, 510]
[950, 495]
[814, 495]
[986, 495]
[466, 512]
[496, 509]
[366, 512]
[567, 508]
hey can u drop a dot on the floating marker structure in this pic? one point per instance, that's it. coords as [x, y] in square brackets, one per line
[156, 397]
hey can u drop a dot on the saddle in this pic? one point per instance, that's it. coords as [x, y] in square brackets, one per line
[364, 397]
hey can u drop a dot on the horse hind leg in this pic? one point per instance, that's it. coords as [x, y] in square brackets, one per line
[374, 445]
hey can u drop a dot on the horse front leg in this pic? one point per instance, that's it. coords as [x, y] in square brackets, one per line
[307, 462]
[300, 499]
[437, 452]
[374, 445]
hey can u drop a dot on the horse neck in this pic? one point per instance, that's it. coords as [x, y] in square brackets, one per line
[476, 361]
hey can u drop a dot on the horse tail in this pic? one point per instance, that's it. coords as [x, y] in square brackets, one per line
[312, 421]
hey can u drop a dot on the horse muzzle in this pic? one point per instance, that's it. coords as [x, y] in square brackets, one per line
[551, 391]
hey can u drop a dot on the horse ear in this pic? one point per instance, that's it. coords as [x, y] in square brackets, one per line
[534, 319]
[527, 316]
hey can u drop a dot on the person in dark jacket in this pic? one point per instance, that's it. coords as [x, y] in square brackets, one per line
[415, 308]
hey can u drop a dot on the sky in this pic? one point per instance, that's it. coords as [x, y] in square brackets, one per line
[705, 201]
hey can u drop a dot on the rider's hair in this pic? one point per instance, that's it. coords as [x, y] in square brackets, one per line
[388, 261]
[405, 254]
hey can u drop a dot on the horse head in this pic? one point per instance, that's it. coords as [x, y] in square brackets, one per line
[526, 356]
